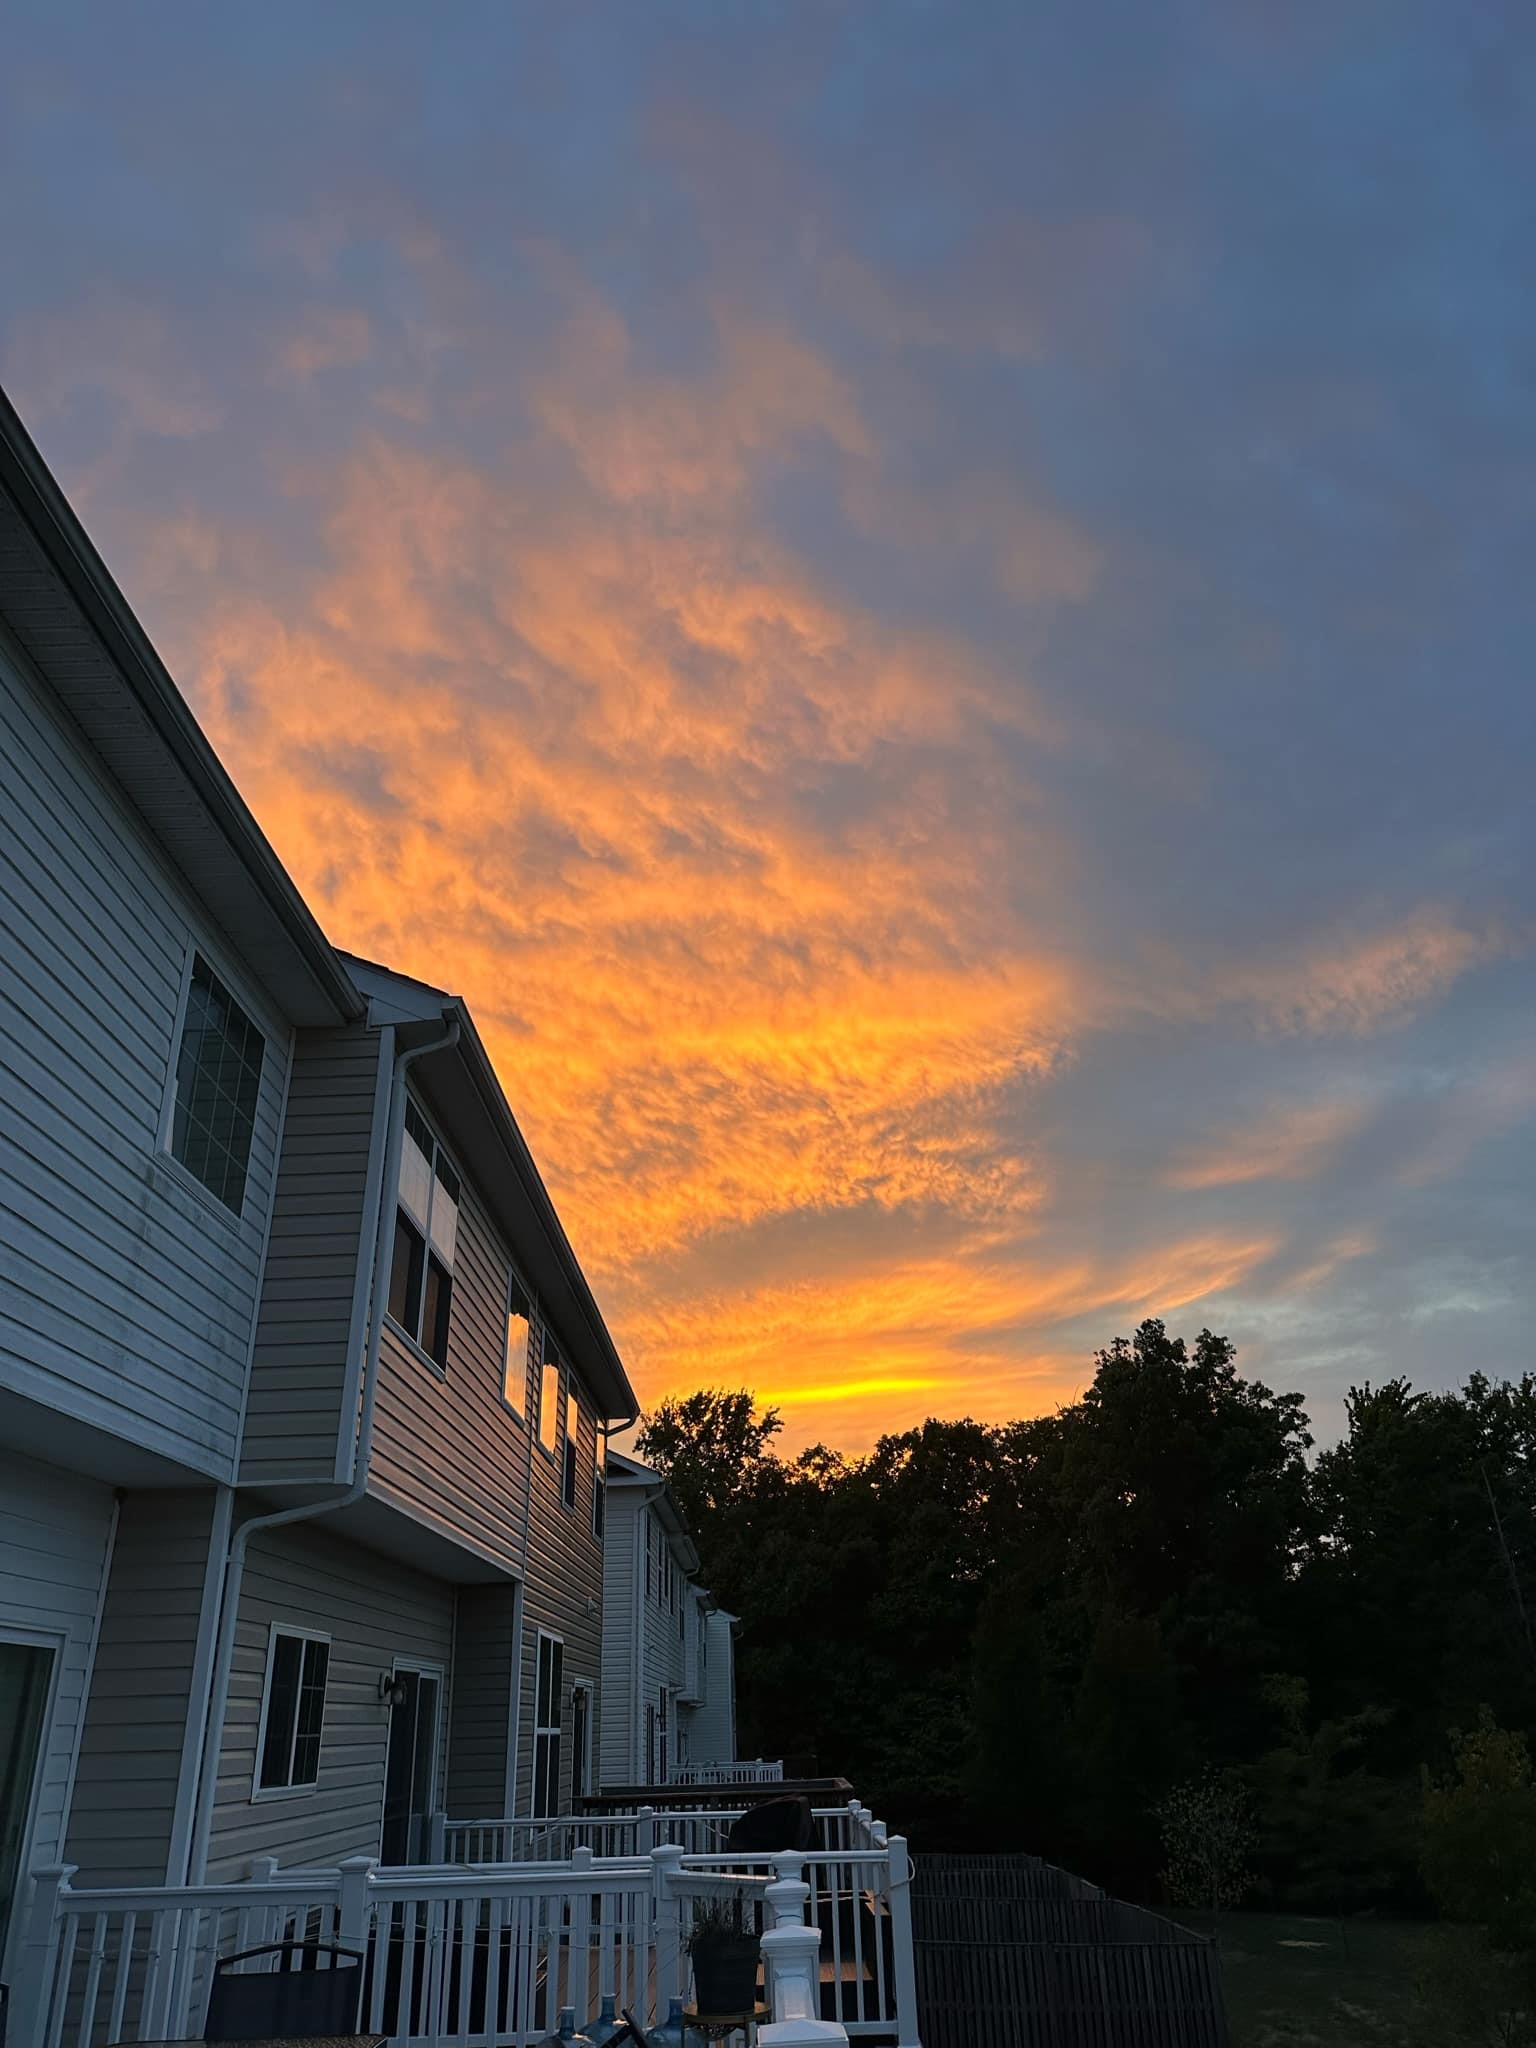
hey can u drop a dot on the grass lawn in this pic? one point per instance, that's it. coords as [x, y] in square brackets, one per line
[1300, 1983]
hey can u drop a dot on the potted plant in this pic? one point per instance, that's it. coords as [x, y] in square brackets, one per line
[724, 1949]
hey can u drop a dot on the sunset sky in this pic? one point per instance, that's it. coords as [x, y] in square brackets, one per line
[927, 607]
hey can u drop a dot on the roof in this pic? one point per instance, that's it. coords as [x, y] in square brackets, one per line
[76, 629]
[625, 1471]
[461, 1087]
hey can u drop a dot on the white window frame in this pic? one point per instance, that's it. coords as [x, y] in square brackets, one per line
[515, 1287]
[416, 1338]
[550, 1354]
[243, 1221]
[587, 1686]
[570, 1441]
[312, 1785]
[542, 1730]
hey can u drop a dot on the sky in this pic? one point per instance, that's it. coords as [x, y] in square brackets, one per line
[926, 607]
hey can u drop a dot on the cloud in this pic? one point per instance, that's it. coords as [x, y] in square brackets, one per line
[1288, 1142]
[334, 338]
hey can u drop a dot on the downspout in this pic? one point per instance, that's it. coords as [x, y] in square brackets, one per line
[234, 1569]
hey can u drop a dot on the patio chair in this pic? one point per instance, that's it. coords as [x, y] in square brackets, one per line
[289, 2002]
[775, 1824]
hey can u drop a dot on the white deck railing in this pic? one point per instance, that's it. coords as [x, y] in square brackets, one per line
[699, 1831]
[739, 1772]
[471, 1954]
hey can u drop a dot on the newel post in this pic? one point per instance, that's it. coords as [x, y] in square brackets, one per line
[352, 1903]
[645, 1831]
[792, 1967]
[667, 1923]
[437, 1837]
[39, 1958]
[904, 1966]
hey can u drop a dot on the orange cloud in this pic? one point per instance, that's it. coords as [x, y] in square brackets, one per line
[727, 867]
[1287, 1143]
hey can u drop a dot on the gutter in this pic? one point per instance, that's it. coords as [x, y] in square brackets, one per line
[234, 1568]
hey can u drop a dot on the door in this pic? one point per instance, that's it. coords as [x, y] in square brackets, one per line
[548, 1690]
[581, 1722]
[26, 1672]
[410, 1770]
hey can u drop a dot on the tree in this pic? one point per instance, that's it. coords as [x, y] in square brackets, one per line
[1207, 1836]
[711, 1447]
[1479, 1857]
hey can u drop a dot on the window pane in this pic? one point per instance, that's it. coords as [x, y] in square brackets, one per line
[599, 1507]
[568, 1478]
[416, 1165]
[405, 1274]
[282, 1709]
[434, 1314]
[311, 1713]
[445, 1212]
[544, 1688]
[218, 1081]
[515, 1370]
[549, 1401]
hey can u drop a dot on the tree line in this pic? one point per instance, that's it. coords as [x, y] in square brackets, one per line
[1032, 1635]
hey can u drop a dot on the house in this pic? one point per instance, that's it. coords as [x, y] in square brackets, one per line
[304, 1412]
[303, 1393]
[669, 1685]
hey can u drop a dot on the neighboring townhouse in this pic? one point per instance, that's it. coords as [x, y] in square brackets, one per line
[669, 1686]
[303, 1395]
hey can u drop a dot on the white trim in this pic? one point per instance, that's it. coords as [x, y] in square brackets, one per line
[423, 1667]
[589, 1687]
[516, 1409]
[290, 1790]
[195, 1726]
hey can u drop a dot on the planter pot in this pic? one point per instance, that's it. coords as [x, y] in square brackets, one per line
[725, 1974]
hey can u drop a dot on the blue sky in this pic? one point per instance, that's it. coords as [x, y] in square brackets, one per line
[923, 605]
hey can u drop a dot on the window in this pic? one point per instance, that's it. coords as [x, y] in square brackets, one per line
[218, 1078]
[292, 1709]
[568, 1469]
[426, 1235]
[514, 1372]
[652, 1576]
[599, 1505]
[546, 1726]
[549, 1398]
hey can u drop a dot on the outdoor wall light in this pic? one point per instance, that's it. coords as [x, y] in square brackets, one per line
[391, 1689]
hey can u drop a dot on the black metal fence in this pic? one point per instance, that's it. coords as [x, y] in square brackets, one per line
[1020, 1953]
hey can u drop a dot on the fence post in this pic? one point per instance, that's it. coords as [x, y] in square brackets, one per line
[645, 1831]
[667, 1924]
[39, 1957]
[437, 1837]
[356, 1875]
[905, 1967]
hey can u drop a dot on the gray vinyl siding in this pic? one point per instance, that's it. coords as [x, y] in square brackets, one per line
[321, 1237]
[135, 1724]
[712, 1731]
[374, 1611]
[447, 1448]
[482, 1702]
[126, 1293]
[55, 1544]
[618, 1762]
[565, 1576]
